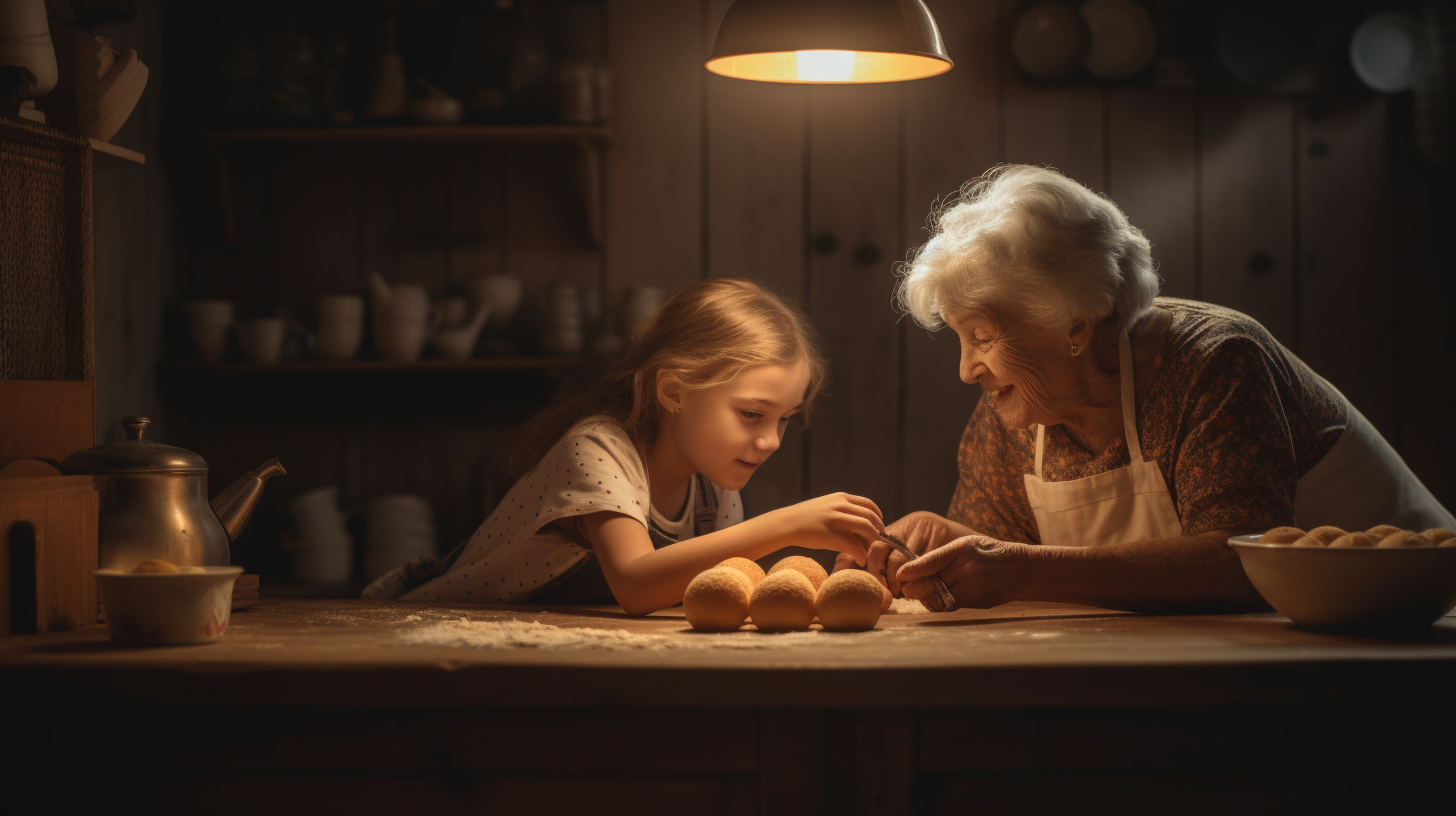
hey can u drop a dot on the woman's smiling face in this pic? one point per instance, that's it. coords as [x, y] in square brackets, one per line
[1021, 368]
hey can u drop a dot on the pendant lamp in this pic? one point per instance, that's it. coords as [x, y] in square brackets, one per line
[828, 41]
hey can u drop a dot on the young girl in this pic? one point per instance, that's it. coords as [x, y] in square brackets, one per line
[654, 456]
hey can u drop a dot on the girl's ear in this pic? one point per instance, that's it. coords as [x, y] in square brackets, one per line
[669, 392]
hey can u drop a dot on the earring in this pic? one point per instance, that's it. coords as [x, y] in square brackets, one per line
[1075, 350]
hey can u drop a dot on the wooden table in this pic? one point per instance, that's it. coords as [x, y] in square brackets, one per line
[337, 705]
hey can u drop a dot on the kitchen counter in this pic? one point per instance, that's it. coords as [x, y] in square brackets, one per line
[1020, 654]
[382, 707]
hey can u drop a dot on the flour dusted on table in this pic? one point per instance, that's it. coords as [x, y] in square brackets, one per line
[530, 634]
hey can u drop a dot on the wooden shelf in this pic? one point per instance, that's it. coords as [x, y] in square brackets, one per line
[106, 156]
[363, 366]
[588, 140]
[406, 135]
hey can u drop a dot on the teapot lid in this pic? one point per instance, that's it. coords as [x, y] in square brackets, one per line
[134, 455]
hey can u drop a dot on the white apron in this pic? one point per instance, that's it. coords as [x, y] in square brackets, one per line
[1363, 482]
[1125, 504]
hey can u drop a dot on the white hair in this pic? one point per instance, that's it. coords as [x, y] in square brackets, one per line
[1028, 243]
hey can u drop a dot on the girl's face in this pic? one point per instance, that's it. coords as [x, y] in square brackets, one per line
[1022, 372]
[728, 430]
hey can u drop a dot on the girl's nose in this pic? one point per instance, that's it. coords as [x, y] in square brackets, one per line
[768, 442]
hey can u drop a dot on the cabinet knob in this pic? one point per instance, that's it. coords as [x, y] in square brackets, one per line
[1262, 263]
[866, 254]
[1318, 148]
[825, 243]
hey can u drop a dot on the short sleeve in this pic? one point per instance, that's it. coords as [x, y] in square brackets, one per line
[1236, 463]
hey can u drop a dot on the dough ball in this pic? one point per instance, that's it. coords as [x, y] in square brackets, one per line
[156, 566]
[804, 565]
[1404, 538]
[717, 600]
[784, 600]
[1439, 536]
[1282, 535]
[1324, 535]
[1355, 540]
[1383, 530]
[749, 568]
[848, 600]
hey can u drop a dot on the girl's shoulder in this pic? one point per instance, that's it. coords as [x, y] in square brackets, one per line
[596, 443]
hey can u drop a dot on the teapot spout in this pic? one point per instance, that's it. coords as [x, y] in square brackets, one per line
[234, 506]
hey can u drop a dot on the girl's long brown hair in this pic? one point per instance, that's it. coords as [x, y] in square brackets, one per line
[706, 334]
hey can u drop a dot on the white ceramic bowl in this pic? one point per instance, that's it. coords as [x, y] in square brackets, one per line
[175, 609]
[1342, 587]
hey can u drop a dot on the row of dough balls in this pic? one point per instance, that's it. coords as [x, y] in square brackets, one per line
[786, 598]
[1382, 535]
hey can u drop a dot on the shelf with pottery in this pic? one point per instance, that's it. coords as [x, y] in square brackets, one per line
[554, 363]
[588, 140]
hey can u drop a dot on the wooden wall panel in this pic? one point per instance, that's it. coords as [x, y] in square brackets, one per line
[1052, 124]
[545, 236]
[477, 213]
[854, 189]
[655, 166]
[1246, 208]
[946, 145]
[1347, 276]
[316, 218]
[1152, 175]
[754, 204]
[1426, 257]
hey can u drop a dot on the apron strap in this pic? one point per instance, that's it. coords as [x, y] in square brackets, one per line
[1040, 440]
[1129, 400]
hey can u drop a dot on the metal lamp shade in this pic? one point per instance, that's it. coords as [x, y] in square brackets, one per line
[828, 41]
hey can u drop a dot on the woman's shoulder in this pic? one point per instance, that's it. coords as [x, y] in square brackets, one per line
[1199, 331]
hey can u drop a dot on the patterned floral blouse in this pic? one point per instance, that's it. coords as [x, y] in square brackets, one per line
[1233, 420]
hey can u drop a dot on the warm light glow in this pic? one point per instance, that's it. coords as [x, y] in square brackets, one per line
[824, 66]
[828, 67]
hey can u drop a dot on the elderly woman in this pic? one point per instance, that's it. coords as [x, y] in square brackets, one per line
[1123, 437]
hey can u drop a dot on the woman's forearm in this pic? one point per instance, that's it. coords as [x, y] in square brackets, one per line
[1158, 575]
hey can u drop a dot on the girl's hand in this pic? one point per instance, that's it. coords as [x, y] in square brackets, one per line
[922, 532]
[839, 521]
[979, 571]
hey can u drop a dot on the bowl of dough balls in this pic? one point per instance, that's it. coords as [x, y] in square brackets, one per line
[1326, 577]
[789, 597]
[157, 603]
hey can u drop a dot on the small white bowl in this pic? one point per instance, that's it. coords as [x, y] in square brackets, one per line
[1352, 587]
[172, 609]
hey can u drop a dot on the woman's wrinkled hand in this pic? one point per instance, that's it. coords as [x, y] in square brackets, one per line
[921, 531]
[979, 571]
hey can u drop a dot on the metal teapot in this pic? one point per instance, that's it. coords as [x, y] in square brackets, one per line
[154, 501]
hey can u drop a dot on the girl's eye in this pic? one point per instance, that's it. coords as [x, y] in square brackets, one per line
[751, 414]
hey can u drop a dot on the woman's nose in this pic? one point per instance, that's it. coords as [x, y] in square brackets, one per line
[971, 367]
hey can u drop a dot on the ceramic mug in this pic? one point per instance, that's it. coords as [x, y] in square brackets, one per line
[209, 321]
[262, 339]
[340, 327]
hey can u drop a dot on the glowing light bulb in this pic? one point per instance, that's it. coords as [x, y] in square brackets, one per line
[824, 66]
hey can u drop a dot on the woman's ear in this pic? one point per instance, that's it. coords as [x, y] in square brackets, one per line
[669, 392]
[1080, 335]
